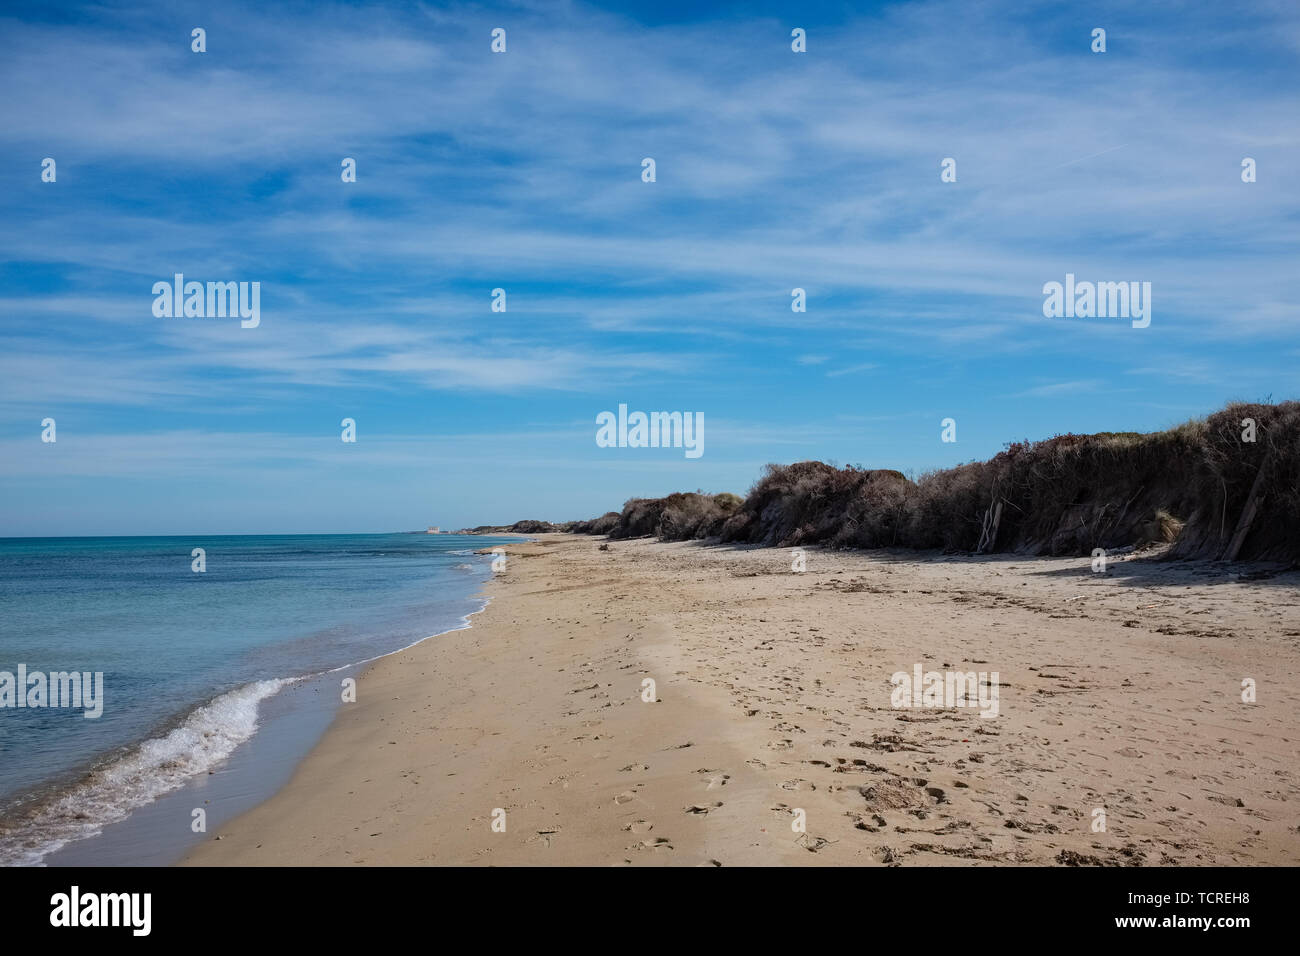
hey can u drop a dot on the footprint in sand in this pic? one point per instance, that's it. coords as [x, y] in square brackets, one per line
[639, 826]
[720, 780]
[627, 796]
[797, 785]
[812, 843]
[658, 843]
[876, 819]
[703, 808]
[543, 837]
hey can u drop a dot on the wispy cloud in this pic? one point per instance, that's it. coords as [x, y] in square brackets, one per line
[522, 171]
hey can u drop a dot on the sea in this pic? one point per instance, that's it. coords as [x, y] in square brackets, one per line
[224, 658]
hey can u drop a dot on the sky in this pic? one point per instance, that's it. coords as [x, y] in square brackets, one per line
[522, 170]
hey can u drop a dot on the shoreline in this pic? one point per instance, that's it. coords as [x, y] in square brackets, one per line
[1118, 691]
[284, 724]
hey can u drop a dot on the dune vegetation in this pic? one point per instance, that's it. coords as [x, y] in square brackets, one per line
[1217, 487]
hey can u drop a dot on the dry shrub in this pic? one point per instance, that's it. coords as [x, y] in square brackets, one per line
[810, 502]
[1064, 495]
[602, 525]
[678, 517]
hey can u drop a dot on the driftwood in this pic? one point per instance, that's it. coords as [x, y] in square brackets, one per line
[989, 532]
[1247, 516]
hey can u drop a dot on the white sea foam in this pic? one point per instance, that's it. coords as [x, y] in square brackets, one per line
[208, 736]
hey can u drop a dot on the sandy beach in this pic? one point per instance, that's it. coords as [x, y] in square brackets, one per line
[1119, 692]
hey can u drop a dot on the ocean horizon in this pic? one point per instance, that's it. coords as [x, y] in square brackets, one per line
[188, 638]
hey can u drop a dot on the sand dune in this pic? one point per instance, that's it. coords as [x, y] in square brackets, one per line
[1120, 691]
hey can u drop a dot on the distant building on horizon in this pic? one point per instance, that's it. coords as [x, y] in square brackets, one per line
[434, 529]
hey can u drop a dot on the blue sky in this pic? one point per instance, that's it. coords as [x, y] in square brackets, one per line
[522, 170]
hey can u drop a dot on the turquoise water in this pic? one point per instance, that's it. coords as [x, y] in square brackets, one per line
[188, 658]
